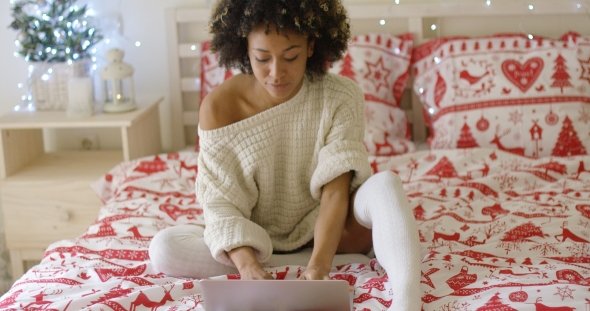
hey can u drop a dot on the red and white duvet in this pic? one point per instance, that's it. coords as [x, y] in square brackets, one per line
[498, 232]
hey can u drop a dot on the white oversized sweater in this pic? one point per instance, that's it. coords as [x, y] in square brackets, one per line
[260, 179]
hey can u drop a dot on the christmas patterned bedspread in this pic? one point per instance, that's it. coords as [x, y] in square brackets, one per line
[498, 232]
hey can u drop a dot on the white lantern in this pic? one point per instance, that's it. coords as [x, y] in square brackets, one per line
[118, 90]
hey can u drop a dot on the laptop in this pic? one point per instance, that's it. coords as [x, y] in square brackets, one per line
[276, 295]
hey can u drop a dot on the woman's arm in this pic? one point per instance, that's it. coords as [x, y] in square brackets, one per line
[247, 264]
[329, 227]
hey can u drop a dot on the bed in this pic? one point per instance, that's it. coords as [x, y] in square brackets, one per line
[488, 129]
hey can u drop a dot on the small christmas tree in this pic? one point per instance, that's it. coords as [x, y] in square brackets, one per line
[466, 139]
[444, 168]
[523, 233]
[347, 69]
[560, 76]
[568, 143]
[52, 30]
[495, 304]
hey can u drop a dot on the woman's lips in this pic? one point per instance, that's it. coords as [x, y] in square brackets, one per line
[278, 87]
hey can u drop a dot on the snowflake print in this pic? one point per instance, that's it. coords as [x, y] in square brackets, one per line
[584, 116]
[448, 265]
[160, 225]
[468, 214]
[579, 251]
[515, 117]
[545, 248]
[565, 292]
[506, 181]
[512, 165]
[517, 136]
[550, 267]
[531, 187]
[582, 89]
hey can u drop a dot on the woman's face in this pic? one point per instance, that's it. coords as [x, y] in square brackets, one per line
[278, 62]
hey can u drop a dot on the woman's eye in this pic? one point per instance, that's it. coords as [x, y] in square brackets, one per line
[261, 60]
[291, 59]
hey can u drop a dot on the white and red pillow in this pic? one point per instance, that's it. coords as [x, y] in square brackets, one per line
[212, 74]
[380, 64]
[526, 96]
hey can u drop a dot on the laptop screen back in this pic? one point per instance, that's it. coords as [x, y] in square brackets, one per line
[276, 295]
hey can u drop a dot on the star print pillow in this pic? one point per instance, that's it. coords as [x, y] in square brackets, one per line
[526, 96]
[380, 64]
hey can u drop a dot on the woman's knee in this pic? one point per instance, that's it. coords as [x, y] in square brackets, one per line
[165, 246]
[384, 179]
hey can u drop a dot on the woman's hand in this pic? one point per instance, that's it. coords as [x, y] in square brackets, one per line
[315, 272]
[254, 273]
[247, 264]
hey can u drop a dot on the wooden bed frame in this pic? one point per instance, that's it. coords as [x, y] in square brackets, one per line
[186, 28]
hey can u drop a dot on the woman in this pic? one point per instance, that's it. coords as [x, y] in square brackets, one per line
[282, 156]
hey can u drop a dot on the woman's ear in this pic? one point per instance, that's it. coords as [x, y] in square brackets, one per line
[310, 47]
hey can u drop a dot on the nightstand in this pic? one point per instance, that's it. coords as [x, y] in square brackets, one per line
[46, 196]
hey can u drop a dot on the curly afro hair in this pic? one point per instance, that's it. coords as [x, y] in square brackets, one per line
[323, 21]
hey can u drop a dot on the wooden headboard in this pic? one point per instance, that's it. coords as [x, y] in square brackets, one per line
[186, 28]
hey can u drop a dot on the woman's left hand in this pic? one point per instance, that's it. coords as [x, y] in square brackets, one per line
[315, 273]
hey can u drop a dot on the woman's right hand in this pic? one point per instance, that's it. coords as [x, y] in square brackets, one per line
[247, 264]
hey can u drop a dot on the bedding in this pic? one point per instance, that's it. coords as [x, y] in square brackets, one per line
[523, 94]
[498, 231]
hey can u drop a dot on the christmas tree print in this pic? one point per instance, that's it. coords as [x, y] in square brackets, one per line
[495, 304]
[444, 168]
[560, 77]
[568, 143]
[466, 139]
[520, 234]
[347, 70]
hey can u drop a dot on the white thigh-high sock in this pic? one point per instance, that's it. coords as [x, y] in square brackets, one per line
[180, 251]
[381, 204]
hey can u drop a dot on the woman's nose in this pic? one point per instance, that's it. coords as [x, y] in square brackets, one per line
[277, 69]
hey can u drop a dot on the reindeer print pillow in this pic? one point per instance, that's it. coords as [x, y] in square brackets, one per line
[528, 96]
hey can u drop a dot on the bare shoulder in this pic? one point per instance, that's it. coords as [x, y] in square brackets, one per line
[221, 107]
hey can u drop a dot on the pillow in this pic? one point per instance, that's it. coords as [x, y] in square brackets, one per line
[380, 64]
[526, 96]
[154, 176]
[212, 74]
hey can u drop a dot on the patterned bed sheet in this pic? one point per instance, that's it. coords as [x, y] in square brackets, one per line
[498, 232]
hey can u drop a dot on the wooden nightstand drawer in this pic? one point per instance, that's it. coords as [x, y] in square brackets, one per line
[40, 213]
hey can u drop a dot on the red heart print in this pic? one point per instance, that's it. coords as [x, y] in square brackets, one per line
[523, 76]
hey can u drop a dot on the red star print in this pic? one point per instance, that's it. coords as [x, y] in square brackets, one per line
[378, 74]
